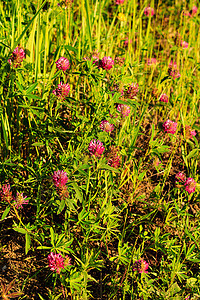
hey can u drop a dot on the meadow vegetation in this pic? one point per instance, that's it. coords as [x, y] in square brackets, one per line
[99, 129]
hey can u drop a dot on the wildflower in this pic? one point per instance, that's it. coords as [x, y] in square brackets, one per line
[17, 57]
[189, 133]
[170, 126]
[127, 42]
[164, 98]
[62, 63]
[60, 178]
[20, 200]
[106, 126]
[62, 90]
[56, 262]
[190, 185]
[6, 193]
[184, 44]
[131, 90]
[149, 11]
[96, 148]
[118, 2]
[95, 57]
[106, 63]
[152, 61]
[180, 177]
[113, 157]
[194, 10]
[173, 71]
[121, 17]
[141, 266]
[123, 109]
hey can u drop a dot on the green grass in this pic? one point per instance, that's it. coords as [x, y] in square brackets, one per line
[108, 217]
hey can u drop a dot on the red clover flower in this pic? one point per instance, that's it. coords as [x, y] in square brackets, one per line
[113, 157]
[63, 64]
[56, 262]
[106, 63]
[17, 57]
[141, 266]
[151, 61]
[118, 2]
[184, 44]
[123, 109]
[170, 126]
[173, 71]
[132, 91]
[62, 90]
[149, 11]
[190, 185]
[20, 200]
[96, 148]
[60, 178]
[189, 133]
[127, 42]
[106, 126]
[6, 193]
[164, 98]
[180, 177]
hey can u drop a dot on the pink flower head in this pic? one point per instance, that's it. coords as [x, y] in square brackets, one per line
[96, 148]
[170, 126]
[106, 126]
[194, 10]
[132, 91]
[180, 177]
[173, 71]
[62, 90]
[164, 98]
[20, 200]
[62, 64]
[113, 157]
[192, 133]
[152, 61]
[127, 42]
[123, 109]
[106, 63]
[6, 193]
[141, 266]
[190, 185]
[56, 262]
[184, 44]
[149, 11]
[118, 2]
[187, 13]
[17, 57]
[60, 178]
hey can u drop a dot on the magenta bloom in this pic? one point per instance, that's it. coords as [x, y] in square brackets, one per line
[184, 44]
[118, 2]
[192, 133]
[190, 185]
[62, 90]
[194, 10]
[164, 98]
[17, 57]
[141, 266]
[114, 161]
[56, 262]
[123, 109]
[173, 71]
[106, 63]
[149, 11]
[60, 178]
[106, 126]
[20, 200]
[152, 61]
[96, 148]
[62, 64]
[170, 126]
[127, 42]
[180, 177]
[132, 91]
[6, 193]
